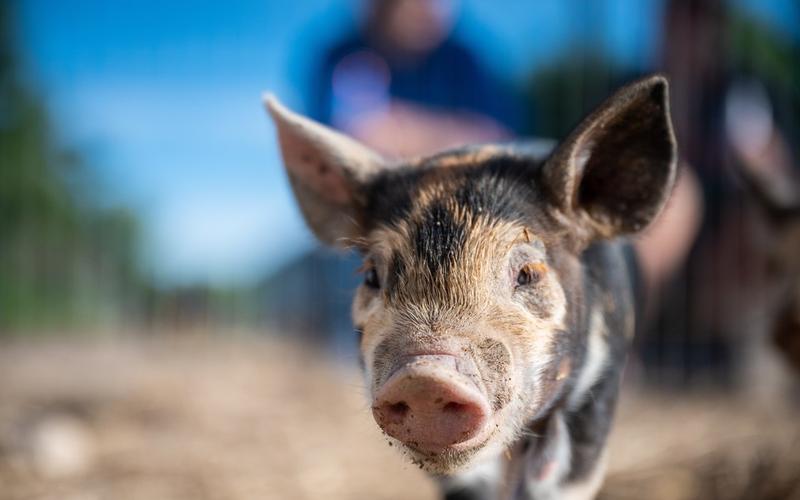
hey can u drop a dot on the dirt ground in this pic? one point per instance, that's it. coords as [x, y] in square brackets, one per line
[249, 417]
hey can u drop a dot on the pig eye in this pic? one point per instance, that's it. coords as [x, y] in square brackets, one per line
[530, 274]
[371, 279]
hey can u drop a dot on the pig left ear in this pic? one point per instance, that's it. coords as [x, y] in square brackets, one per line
[614, 173]
[328, 173]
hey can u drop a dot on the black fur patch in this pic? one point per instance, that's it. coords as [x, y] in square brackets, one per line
[502, 187]
[396, 269]
[439, 238]
[469, 493]
[589, 425]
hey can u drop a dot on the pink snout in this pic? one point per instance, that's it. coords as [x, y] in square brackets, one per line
[430, 406]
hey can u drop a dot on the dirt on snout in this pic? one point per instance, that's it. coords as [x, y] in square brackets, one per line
[247, 417]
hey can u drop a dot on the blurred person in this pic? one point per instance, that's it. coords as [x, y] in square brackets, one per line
[766, 168]
[405, 86]
[686, 342]
[664, 247]
[704, 319]
[700, 261]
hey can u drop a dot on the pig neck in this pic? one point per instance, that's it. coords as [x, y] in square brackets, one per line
[562, 448]
[566, 445]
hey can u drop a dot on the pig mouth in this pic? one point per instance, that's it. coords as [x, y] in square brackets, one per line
[435, 406]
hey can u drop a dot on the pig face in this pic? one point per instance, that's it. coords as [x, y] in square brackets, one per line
[471, 307]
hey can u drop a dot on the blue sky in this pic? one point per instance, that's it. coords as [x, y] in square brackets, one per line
[163, 97]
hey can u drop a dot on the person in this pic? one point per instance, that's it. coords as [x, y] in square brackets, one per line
[405, 86]
[705, 320]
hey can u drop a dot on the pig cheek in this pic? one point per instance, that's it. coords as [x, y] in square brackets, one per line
[515, 387]
[536, 364]
[497, 371]
[547, 330]
[514, 394]
[534, 373]
[369, 317]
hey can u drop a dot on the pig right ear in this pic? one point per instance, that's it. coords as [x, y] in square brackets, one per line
[328, 173]
[614, 173]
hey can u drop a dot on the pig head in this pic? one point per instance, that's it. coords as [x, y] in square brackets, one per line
[496, 297]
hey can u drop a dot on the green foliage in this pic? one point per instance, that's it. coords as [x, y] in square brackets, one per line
[579, 79]
[756, 49]
[63, 261]
[564, 91]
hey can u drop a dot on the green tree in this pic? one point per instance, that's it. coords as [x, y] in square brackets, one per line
[63, 261]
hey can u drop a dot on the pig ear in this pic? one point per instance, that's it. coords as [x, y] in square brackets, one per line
[327, 171]
[614, 173]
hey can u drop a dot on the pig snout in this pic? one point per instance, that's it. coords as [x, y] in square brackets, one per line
[429, 405]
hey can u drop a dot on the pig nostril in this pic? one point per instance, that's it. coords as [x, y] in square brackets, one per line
[398, 410]
[453, 407]
[431, 407]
